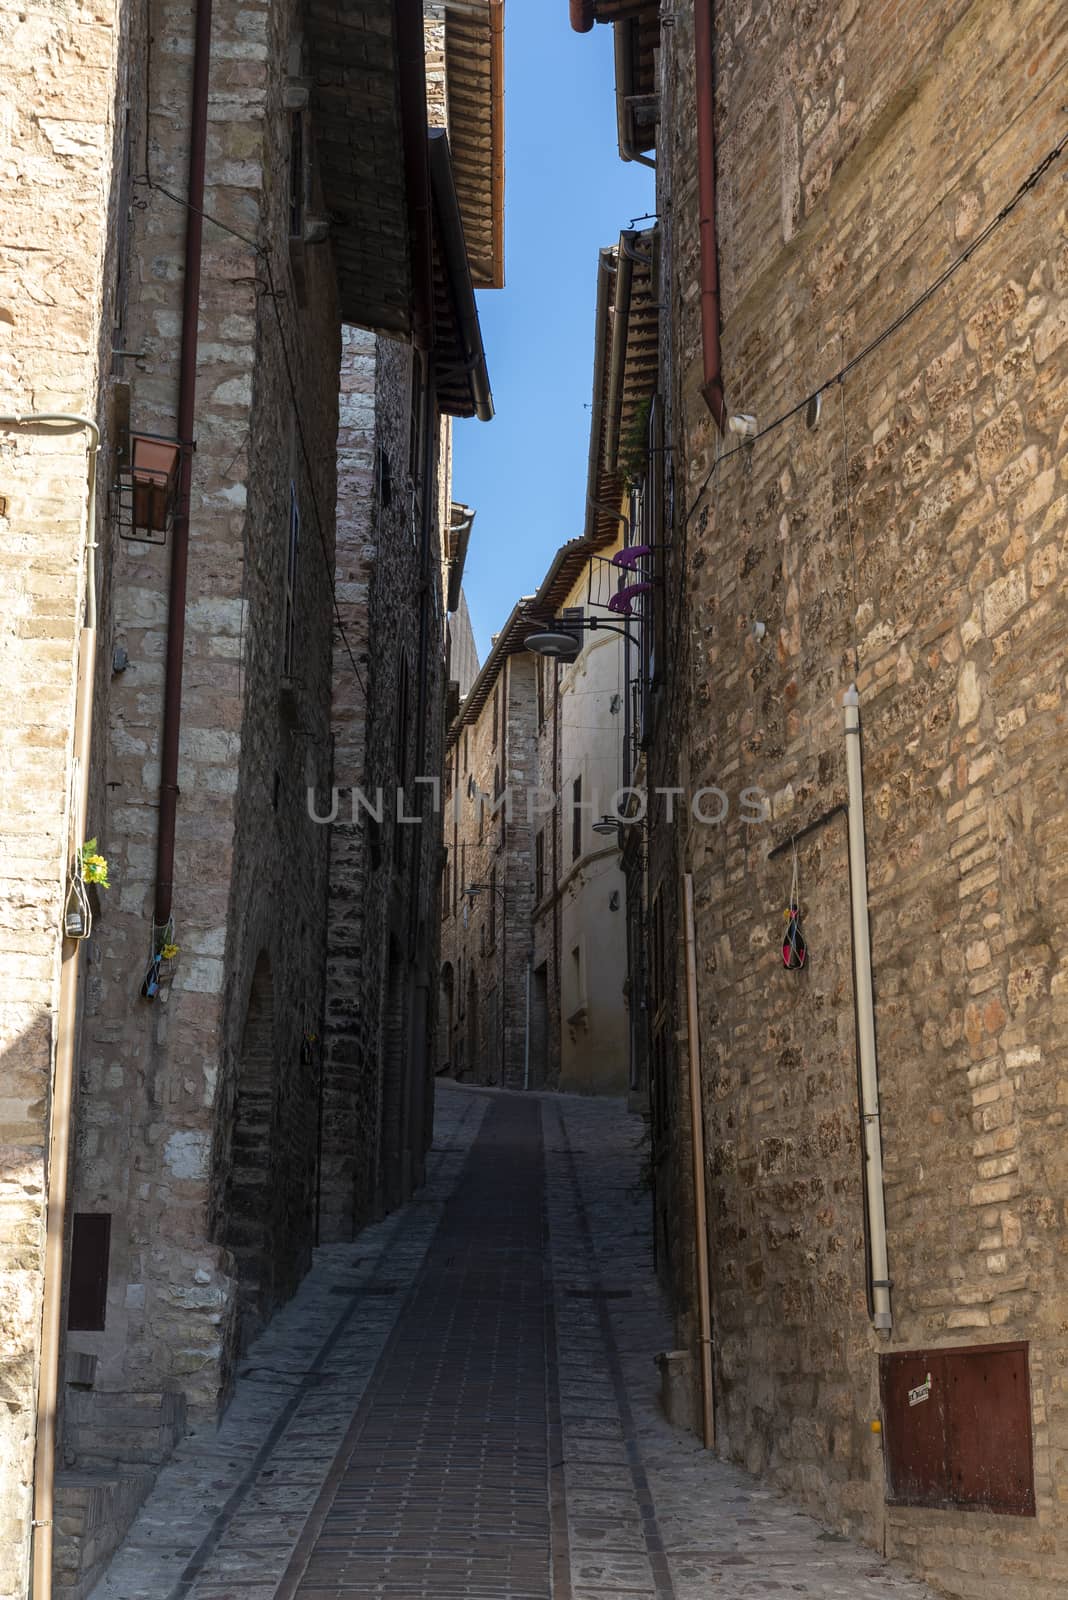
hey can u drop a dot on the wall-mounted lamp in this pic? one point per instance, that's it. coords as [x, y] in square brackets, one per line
[757, 630]
[147, 487]
[606, 824]
[744, 425]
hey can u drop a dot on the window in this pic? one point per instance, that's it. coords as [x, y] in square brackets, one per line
[297, 180]
[465, 752]
[498, 790]
[571, 619]
[540, 669]
[400, 752]
[289, 639]
[539, 866]
[90, 1249]
[383, 478]
[493, 909]
[415, 422]
[576, 819]
[496, 716]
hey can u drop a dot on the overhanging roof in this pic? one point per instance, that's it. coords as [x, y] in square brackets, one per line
[368, 75]
[474, 62]
[584, 13]
[625, 366]
[457, 539]
[462, 380]
[637, 36]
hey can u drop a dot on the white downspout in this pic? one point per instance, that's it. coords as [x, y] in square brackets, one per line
[869, 1072]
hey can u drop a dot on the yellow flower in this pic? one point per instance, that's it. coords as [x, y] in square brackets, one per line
[169, 951]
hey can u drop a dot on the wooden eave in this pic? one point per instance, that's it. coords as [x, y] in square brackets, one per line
[359, 143]
[474, 62]
[625, 371]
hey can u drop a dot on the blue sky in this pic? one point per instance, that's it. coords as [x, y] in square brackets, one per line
[567, 194]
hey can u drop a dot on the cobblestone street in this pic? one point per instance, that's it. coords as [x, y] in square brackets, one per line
[462, 1403]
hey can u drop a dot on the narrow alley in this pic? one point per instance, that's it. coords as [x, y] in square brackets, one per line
[463, 1403]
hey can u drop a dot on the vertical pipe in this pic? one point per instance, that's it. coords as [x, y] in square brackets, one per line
[869, 1071]
[187, 396]
[697, 1135]
[712, 388]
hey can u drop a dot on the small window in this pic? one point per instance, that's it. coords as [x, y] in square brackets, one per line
[90, 1250]
[290, 628]
[415, 423]
[496, 716]
[297, 179]
[539, 866]
[576, 819]
[383, 478]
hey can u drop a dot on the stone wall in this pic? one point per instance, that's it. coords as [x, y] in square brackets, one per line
[350, 1035]
[191, 1107]
[492, 757]
[57, 297]
[912, 539]
[547, 936]
[382, 963]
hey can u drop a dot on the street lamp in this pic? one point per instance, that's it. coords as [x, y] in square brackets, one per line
[560, 641]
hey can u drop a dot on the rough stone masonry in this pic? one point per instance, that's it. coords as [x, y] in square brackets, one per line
[913, 540]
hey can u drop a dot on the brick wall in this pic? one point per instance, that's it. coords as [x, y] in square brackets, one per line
[911, 539]
[56, 295]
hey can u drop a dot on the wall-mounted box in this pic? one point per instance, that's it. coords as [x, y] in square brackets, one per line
[957, 1428]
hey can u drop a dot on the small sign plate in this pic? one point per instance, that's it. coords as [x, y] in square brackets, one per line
[921, 1392]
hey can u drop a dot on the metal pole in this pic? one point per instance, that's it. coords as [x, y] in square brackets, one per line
[869, 1070]
[697, 1134]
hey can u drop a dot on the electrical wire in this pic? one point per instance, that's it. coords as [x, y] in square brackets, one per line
[273, 294]
[1033, 177]
[838, 378]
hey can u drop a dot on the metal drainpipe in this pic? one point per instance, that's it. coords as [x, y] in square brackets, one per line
[187, 386]
[869, 1070]
[712, 388]
[44, 1465]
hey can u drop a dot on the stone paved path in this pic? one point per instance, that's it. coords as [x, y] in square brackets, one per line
[462, 1404]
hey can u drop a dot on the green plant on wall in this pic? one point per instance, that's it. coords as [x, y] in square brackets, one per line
[634, 444]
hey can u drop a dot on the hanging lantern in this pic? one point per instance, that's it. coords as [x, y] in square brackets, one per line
[794, 949]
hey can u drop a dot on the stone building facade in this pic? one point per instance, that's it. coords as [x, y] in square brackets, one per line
[201, 1036]
[889, 215]
[487, 893]
[57, 304]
